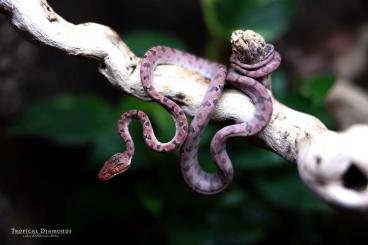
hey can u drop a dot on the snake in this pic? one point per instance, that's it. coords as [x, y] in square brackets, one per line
[241, 76]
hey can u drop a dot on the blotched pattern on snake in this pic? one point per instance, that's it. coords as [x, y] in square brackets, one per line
[241, 76]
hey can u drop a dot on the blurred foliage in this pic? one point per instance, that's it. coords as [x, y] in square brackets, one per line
[140, 41]
[307, 95]
[69, 119]
[265, 187]
[270, 18]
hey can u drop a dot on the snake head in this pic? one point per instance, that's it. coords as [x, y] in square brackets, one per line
[117, 164]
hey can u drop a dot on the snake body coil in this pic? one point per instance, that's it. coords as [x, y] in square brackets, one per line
[242, 76]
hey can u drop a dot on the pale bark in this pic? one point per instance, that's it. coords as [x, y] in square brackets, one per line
[323, 156]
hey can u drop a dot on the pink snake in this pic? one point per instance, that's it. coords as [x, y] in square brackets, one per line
[242, 76]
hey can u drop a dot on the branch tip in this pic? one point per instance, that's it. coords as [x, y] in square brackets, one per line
[248, 46]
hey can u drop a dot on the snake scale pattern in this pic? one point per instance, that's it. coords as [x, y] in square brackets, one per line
[240, 75]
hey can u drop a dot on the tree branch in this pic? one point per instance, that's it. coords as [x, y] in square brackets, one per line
[322, 157]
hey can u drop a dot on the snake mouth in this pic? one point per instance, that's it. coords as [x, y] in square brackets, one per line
[117, 164]
[107, 172]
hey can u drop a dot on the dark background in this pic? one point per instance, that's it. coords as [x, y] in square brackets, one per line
[58, 125]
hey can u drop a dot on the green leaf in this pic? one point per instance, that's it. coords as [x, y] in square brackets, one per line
[249, 157]
[109, 142]
[106, 145]
[153, 203]
[141, 41]
[309, 95]
[270, 18]
[164, 125]
[318, 86]
[68, 119]
[279, 84]
[288, 191]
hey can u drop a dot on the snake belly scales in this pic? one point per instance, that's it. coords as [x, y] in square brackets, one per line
[240, 75]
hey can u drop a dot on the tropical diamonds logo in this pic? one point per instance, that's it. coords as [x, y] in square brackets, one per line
[40, 232]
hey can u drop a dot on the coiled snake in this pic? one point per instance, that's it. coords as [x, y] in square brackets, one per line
[240, 75]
